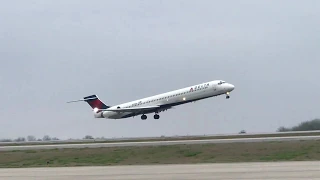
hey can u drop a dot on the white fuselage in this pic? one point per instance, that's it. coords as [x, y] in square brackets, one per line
[172, 98]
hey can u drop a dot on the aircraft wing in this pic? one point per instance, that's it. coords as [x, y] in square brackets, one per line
[135, 109]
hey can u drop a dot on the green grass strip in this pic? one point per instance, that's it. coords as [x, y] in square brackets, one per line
[173, 154]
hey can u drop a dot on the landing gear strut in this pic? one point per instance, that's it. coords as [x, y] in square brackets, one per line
[144, 117]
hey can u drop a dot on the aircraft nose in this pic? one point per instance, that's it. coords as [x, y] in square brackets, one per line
[230, 87]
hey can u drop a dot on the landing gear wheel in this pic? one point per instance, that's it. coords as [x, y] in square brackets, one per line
[156, 116]
[144, 117]
[227, 97]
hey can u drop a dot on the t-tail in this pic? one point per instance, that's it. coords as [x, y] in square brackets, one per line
[95, 103]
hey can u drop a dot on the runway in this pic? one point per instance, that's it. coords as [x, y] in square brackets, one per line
[249, 171]
[156, 143]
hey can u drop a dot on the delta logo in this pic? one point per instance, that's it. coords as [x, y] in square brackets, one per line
[199, 87]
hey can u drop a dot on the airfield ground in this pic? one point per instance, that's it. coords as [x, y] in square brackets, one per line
[290, 134]
[173, 154]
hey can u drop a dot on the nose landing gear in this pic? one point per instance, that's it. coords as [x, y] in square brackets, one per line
[228, 96]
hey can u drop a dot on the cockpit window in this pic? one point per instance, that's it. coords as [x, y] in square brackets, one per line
[221, 82]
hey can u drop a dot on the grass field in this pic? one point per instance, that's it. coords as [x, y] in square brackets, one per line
[176, 154]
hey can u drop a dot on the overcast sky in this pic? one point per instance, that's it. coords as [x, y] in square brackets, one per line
[54, 51]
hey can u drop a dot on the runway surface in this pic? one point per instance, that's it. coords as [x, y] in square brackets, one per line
[154, 143]
[238, 171]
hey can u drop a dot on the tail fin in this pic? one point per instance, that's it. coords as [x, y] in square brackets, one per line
[93, 101]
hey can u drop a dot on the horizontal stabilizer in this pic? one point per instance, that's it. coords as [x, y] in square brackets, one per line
[81, 100]
[93, 101]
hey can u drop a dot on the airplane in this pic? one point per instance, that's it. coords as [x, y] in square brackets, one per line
[158, 103]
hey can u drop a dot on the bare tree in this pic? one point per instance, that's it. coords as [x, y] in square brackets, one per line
[303, 126]
[31, 138]
[20, 139]
[46, 138]
[88, 137]
[5, 140]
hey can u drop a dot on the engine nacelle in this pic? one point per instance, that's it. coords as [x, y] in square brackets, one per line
[98, 114]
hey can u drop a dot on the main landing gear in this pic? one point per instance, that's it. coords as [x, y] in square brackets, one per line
[144, 117]
[156, 116]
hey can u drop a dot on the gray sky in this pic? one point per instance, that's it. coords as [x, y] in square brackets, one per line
[55, 51]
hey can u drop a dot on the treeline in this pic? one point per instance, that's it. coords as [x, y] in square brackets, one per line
[304, 126]
[31, 138]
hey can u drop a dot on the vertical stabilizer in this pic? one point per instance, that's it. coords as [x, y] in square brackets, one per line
[95, 102]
